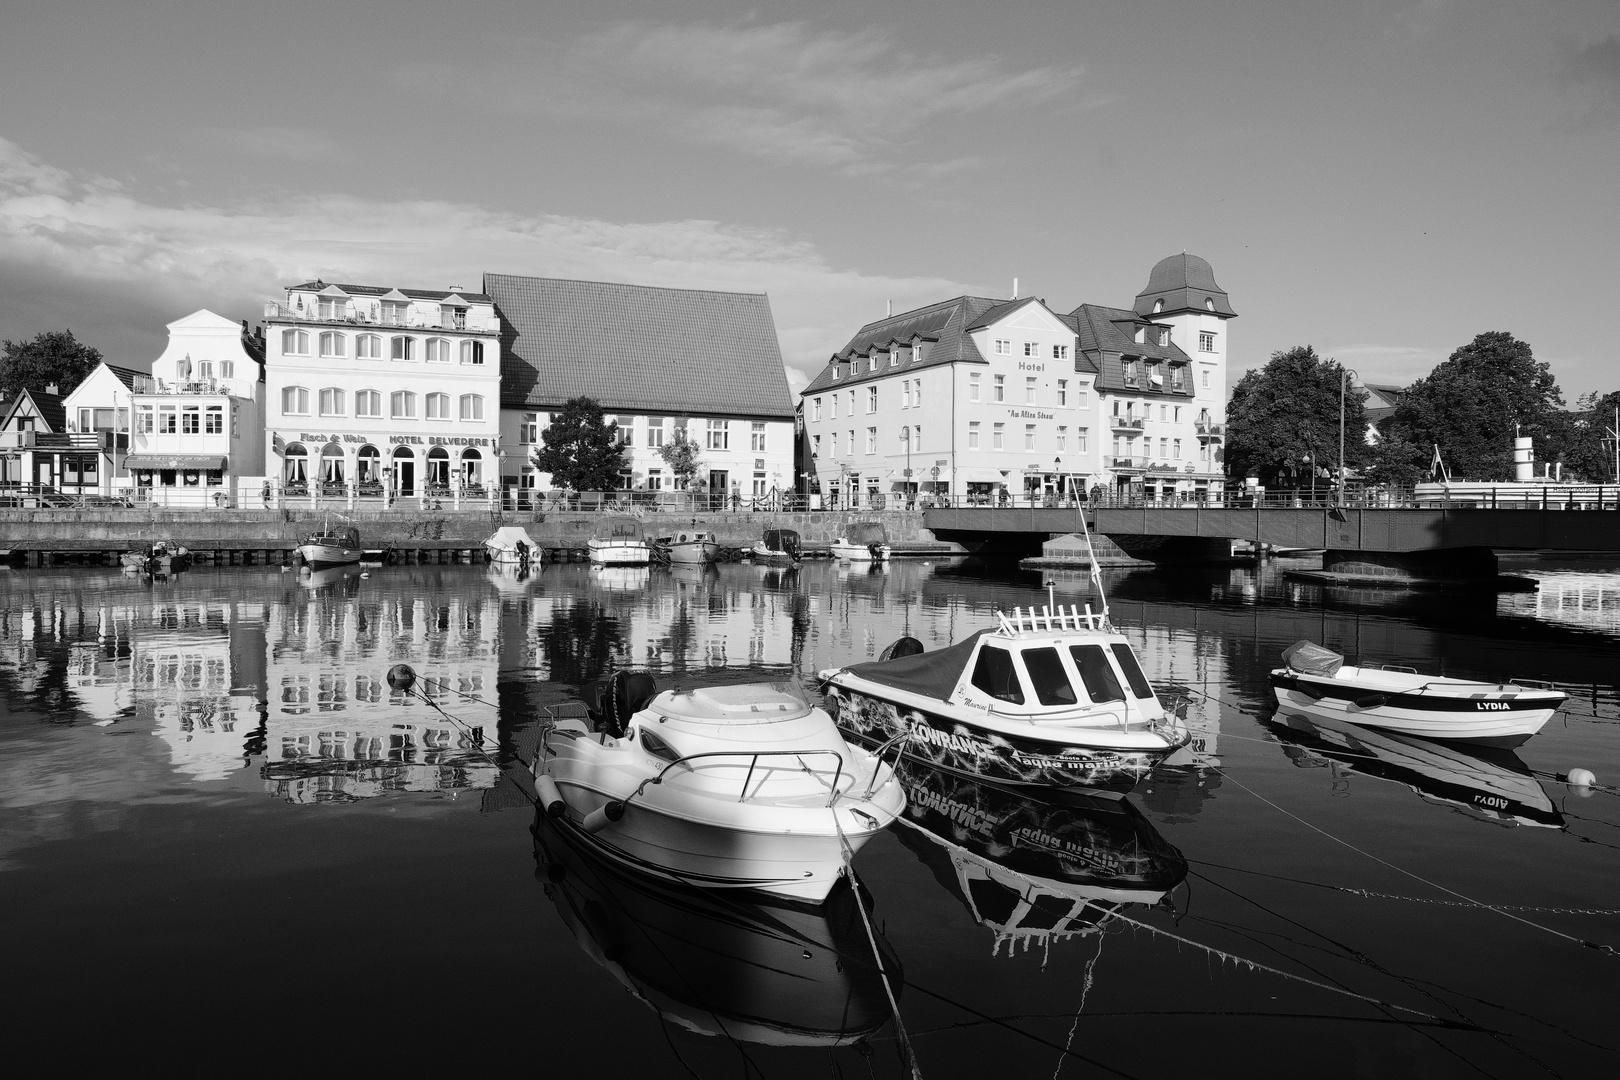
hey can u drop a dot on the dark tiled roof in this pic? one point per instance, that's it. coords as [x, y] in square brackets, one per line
[999, 312]
[384, 290]
[637, 347]
[127, 376]
[1106, 329]
[47, 406]
[943, 325]
[1184, 282]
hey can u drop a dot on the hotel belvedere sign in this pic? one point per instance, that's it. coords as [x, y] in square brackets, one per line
[418, 440]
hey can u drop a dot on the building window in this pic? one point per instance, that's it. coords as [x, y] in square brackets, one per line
[143, 420]
[332, 307]
[1000, 389]
[438, 350]
[815, 409]
[190, 420]
[295, 401]
[871, 399]
[368, 347]
[472, 408]
[973, 386]
[852, 403]
[1080, 400]
[1063, 392]
[402, 405]
[894, 358]
[205, 368]
[452, 318]
[1164, 413]
[1133, 372]
[393, 312]
[1060, 352]
[367, 403]
[815, 446]
[655, 480]
[1141, 335]
[871, 440]
[1003, 347]
[995, 436]
[472, 353]
[331, 401]
[838, 372]
[973, 434]
[719, 435]
[1062, 439]
[905, 394]
[871, 363]
[1080, 439]
[1206, 378]
[834, 415]
[1206, 341]
[529, 429]
[916, 396]
[438, 406]
[756, 438]
[1029, 436]
[1175, 450]
[1164, 448]
[655, 431]
[1164, 338]
[835, 444]
[402, 348]
[294, 343]
[331, 344]
[1029, 390]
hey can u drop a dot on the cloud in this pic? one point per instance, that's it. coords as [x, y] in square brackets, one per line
[82, 252]
[848, 102]
[276, 142]
[1395, 364]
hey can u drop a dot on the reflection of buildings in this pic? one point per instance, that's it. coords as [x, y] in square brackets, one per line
[336, 731]
[1589, 600]
[199, 673]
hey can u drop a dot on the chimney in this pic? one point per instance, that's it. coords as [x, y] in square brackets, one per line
[1015, 289]
[51, 388]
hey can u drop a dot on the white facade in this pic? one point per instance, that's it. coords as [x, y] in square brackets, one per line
[376, 392]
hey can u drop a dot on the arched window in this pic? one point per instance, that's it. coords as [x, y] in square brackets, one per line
[367, 403]
[296, 467]
[332, 463]
[402, 405]
[370, 465]
[331, 401]
[402, 348]
[295, 400]
[438, 467]
[331, 344]
[472, 407]
[368, 347]
[294, 343]
[438, 406]
[1158, 306]
[472, 466]
[472, 352]
[1209, 302]
[438, 350]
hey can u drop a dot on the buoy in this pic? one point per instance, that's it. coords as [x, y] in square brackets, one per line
[1580, 778]
[365, 573]
[401, 677]
[551, 800]
[598, 819]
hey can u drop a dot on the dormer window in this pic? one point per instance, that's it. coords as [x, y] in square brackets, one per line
[838, 372]
[333, 307]
[1209, 303]
[871, 363]
[1141, 335]
[454, 318]
[393, 312]
[1158, 306]
[1164, 337]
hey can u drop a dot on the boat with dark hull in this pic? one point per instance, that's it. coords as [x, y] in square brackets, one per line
[777, 547]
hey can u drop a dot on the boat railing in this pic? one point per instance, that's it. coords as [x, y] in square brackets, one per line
[753, 763]
[1045, 620]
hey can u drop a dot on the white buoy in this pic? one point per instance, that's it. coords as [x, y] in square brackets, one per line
[1580, 778]
[551, 800]
[365, 573]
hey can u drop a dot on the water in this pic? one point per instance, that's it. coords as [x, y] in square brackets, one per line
[222, 839]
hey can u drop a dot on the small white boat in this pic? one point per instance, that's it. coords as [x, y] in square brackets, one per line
[163, 557]
[1316, 681]
[331, 548]
[743, 786]
[689, 546]
[862, 541]
[512, 544]
[777, 547]
[618, 541]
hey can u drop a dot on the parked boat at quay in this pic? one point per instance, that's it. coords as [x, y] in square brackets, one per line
[618, 541]
[777, 547]
[163, 557]
[512, 544]
[862, 541]
[330, 548]
[692, 545]
[1316, 681]
[741, 786]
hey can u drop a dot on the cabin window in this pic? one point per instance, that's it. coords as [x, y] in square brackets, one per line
[996, 676]
[1046, 673]
[657, 747]
[1132, 670]
[1095, 672]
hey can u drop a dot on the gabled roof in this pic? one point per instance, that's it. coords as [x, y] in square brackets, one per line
[1105, 329]
[48, 407]
[125, 375]
[999, 312]
[385, 290]
[944, 325]
[638, 348]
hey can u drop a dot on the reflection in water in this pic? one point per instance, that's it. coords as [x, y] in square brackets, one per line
[716, 962]
[1491, 781]
[1030, 870]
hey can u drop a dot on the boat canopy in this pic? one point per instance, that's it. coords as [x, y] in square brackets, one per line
[866, 532]
[1312, 659]
[931, 674]
[618, 528]
[344, 536]
[508, 537]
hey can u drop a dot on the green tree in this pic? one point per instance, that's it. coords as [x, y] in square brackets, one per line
[1287, 414]
[1397, 464]
[1588, 452]
[682, 456]
[580, 449]
[55, 356]
[1473, 405]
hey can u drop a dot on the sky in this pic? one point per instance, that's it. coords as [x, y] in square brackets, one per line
[1380, 179]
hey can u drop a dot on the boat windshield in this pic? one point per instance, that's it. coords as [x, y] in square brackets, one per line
[1046, 672]
[1095, 671]
[1132, 670]
[996, 676]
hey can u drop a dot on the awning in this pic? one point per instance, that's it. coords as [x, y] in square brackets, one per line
[176, 461]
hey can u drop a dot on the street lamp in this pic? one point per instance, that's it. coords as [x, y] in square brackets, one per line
[1344, 378]
[1057, 467]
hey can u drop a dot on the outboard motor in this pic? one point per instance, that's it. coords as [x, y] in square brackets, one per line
[614, 701]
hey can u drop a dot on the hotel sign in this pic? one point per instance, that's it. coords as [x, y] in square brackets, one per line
[418, 440]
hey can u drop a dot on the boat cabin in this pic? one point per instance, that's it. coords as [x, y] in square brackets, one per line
[618, 530]
[346, 537]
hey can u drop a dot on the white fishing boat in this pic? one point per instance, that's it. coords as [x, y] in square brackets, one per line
[744, 786]
[512, 544]
[163, 557]
[330, 548]
[862, 541]
[1316, 681]
[689, 546]
[777, 547]
[618, 541]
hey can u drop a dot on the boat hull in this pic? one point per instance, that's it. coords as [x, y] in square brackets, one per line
[508, 556]
[761, 554]
[327, 556]
[618, 553]
[954, 746]
[859, 552]
[1484, 719]
[694, 553]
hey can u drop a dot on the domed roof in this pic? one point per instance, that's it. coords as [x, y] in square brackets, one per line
[1183, 282]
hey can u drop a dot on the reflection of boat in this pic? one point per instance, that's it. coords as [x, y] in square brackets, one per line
[1032, 870]
[1048, 698]
[1491, 780]
[719, 962]
[621, 578]
[618, 541]
[513, 579]
[1316, 680]
[512, 544]
[331, 547]
[163, 557]
[777, 547]
[742, 786]
[688, 546]
[862, 541]
[347, 577]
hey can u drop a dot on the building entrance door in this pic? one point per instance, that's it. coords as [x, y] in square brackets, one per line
[719, 488]
[405, 476]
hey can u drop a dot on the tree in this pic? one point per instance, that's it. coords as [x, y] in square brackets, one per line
[681, 455]
[1589, 450]
[1473, 404]
[580, 449]
[1286, 414]
[54, 356]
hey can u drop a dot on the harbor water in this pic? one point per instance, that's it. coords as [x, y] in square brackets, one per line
[226, 843]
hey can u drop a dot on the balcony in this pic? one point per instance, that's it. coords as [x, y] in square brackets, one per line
[1211, 431]
[47, 440]
[1127, 423]
[474, 323]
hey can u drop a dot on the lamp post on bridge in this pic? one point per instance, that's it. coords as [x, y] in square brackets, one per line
[1344, 378]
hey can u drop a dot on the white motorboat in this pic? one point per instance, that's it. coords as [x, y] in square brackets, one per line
[689, 546]
[330, 548]
[862, 541]
[1050, 698]
[1316, 681]
[163, 557]
[618, 541]
[512, 544]
[777, 547]
[744, 786]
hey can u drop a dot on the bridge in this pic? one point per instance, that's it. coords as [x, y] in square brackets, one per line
[1444, 543]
